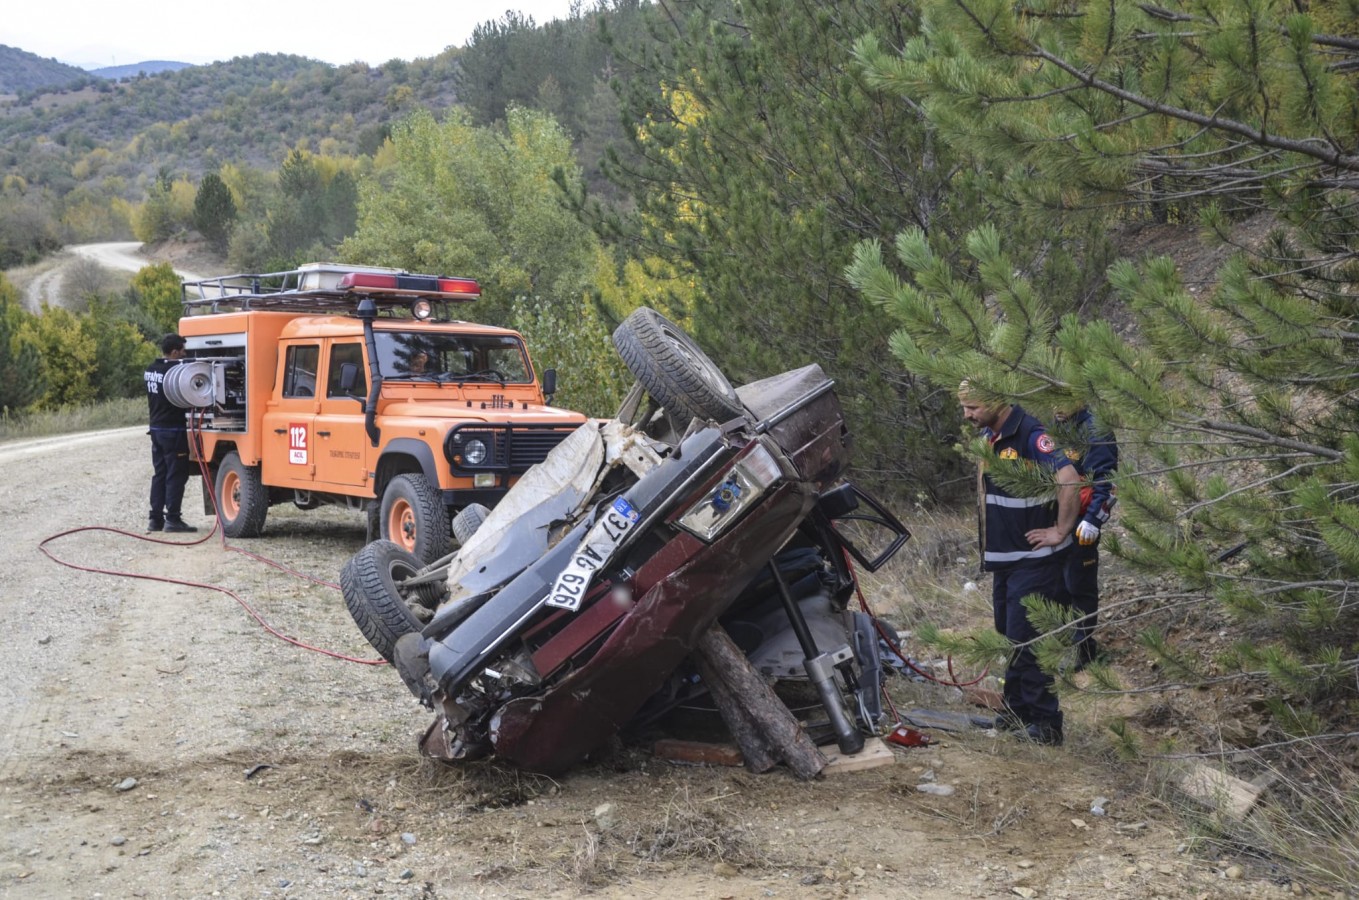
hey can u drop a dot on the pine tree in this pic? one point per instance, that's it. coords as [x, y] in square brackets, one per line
[759, 163]
[22, 373]
[1239, 406]
[214, 211]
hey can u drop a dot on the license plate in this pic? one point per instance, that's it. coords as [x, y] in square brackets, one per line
[600, 542]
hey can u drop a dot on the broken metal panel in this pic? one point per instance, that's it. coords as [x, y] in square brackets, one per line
[516, 532]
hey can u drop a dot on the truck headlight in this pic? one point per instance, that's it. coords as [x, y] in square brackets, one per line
[474, 452]
[747, 481]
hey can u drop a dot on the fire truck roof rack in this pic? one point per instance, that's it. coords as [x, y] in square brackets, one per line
[326, 288]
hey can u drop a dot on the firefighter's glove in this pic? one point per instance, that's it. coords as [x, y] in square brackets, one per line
[1086, 534]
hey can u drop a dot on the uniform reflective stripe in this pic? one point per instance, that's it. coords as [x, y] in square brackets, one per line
[1016, 502]
[1017, 555]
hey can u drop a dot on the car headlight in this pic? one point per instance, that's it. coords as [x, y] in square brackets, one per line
[474, 452]
[747, 481]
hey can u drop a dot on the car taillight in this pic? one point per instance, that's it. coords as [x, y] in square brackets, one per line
[743, 486]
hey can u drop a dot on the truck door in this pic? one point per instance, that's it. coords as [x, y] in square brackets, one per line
[341, 443]
[289, 458]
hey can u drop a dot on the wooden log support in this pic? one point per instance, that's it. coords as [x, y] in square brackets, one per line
[761, 724]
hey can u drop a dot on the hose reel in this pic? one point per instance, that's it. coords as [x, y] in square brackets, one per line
[190, 385]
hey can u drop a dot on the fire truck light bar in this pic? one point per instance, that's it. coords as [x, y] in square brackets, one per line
[448, 288]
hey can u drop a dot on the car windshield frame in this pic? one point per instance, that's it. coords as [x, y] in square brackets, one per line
[452, 357]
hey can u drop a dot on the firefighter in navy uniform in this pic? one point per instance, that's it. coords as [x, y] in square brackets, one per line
[169, 443]
[1024, 544]
[1096, 461]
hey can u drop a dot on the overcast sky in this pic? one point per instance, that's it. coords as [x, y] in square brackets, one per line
[98, 33]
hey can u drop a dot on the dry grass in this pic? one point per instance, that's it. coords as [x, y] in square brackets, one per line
[687, 830]
[1305, 824]
[109, 414]
[928, 580]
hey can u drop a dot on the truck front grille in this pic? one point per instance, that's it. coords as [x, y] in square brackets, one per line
[512, 449]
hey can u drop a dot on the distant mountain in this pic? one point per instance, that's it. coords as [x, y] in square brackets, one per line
[250, 110]
[23, 71]
[150, 67]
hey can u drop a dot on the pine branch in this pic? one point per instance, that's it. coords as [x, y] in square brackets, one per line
[1265, 437]
[1305, 739]
[1307, 147]
[1246, 488]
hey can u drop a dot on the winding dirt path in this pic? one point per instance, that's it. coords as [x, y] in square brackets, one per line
[43, 282]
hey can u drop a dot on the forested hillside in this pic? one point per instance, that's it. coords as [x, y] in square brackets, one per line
[23, 71]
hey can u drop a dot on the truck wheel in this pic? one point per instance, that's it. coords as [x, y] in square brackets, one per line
[673, 370]
[242, 501]
[414, 518]
[371, 583]
[468, 520]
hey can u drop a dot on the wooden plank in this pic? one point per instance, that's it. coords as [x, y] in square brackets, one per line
[697, 752]
[874, 754]
[1217, 790]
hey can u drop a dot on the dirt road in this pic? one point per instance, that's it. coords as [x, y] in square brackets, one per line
[160, 743]
[43, 282]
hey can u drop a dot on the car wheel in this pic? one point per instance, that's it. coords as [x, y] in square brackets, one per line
[414, 517]
[242, 500]
[673, 370]
[467, 521]
[385, 611]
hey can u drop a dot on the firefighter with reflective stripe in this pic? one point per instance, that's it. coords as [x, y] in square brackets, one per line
[1024, 543]
[1094, 452]
[170, 465]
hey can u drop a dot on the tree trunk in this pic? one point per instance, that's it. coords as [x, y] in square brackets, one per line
[761, 724]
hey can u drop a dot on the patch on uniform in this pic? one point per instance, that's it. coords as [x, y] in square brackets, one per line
[1045, 444]
[1072, 454]
[1009, 453]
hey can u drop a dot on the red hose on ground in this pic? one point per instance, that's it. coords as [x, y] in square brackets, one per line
[165, 579]
[895, 648]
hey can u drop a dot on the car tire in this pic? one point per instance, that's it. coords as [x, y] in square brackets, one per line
[242, 500]
[673, 369]
[414, 518]
[467, 521]
[370, 585]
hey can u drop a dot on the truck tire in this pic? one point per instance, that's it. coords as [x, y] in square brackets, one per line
[242, 501]
[414, 517]
[468, 520]
[673, 370]
[370, 582]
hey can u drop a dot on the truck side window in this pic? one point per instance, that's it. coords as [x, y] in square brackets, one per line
[339, 355]
[299, 373]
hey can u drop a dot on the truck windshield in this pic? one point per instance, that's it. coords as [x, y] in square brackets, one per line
[470, 358]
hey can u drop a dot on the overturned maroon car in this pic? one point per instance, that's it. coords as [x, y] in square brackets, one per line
[572, 608]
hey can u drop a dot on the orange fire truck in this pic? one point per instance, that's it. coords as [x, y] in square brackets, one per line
[335, 384]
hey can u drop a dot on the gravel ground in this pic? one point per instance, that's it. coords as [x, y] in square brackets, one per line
[161, 743]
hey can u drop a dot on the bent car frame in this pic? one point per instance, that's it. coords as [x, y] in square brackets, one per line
[570, 610]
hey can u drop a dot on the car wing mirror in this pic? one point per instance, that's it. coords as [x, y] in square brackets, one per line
[349, 377]
[349, 380]
[549, 383]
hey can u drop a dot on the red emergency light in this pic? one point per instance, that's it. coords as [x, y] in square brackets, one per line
[426, 285]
